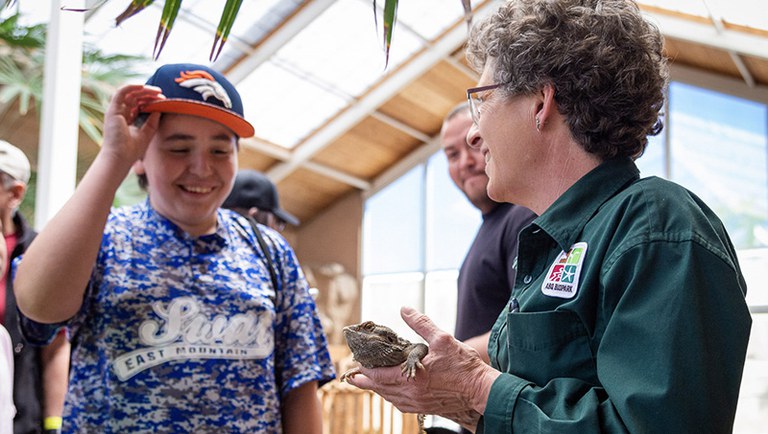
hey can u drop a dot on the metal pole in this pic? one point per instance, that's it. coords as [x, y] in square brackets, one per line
[59, 127]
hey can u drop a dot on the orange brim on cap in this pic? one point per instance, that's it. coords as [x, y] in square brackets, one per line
[229, 119]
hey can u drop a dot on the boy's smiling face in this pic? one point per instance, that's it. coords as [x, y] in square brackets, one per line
[190, 167]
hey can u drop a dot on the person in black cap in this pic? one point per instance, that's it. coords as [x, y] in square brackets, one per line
[254, 195]
[176, 321]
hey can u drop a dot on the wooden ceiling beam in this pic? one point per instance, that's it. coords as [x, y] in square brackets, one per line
[394, 123]
[368, 104]
[281, 154]
[707, 34]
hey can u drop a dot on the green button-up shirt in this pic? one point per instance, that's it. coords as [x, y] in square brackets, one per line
[631, 318]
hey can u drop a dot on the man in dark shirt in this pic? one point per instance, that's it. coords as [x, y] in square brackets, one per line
[488, 272]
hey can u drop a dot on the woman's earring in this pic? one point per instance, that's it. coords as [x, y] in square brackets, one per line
[538, 124]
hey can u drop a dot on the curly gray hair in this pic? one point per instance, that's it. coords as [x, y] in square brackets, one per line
[603, 59]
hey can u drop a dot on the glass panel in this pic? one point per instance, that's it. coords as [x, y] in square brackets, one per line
[742, 12]
[393, 238]
[751, 414]
[753, 263]
[341, 49]
[693, 7]
[267, 95]
[719, 153]
[651, 163]
[384, 295]
[187, 43]
[440, 298]
[452, 221]
[428, 18]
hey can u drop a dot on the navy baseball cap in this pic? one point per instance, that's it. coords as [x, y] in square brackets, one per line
[254, 189]
[198, 90]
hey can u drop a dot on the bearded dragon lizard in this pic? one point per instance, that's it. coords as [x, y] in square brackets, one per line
[375, 346]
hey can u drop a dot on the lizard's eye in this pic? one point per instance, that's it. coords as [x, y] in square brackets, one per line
[368, 326]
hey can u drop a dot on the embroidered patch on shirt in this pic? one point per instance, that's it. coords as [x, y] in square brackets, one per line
[563, 277]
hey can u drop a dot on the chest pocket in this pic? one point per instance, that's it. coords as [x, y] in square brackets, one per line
[547, 345]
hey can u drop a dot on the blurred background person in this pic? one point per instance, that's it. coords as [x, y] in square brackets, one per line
[40, 375]
[254, 195]
[7, 409]
[488, 272]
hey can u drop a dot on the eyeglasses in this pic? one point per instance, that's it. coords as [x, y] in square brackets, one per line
[475, 101]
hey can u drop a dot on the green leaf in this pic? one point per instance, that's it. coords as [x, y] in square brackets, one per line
[170, 12]
[390, 18]
[134, 8]
[228, 16]
[17, 36]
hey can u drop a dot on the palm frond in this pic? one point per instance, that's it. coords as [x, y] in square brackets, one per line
[168, 18]
[20, 83]
[24, 37]
[134, 8]
[231, 9]
[22, 58]
[388, 25]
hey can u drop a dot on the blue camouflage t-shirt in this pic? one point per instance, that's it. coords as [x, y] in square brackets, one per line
[184, 334]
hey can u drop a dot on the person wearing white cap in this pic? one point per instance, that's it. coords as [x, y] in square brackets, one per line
[40, 376]
[7, 409]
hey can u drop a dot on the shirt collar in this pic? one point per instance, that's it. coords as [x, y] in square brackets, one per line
[166, 228]
[567, 216]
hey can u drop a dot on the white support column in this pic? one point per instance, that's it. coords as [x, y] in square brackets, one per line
[59, 127]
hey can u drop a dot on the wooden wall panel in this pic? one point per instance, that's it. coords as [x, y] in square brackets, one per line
[306, 193]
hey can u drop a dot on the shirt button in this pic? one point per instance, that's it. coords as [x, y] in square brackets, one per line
[527, 279]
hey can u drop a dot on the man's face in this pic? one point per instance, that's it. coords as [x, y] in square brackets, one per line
[466, 165]
[11, 194]
[190, 167]
[3, 252]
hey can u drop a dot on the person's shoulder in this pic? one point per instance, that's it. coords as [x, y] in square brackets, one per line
[666, 206]
[661, 194]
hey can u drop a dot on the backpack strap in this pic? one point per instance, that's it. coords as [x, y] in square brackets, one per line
[265, 249]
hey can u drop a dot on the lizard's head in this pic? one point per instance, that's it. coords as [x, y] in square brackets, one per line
[371, 338]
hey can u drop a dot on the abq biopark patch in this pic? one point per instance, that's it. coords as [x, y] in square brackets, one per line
[563, 277]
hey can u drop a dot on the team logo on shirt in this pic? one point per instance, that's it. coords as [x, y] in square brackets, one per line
[184, 332]
[563, 277]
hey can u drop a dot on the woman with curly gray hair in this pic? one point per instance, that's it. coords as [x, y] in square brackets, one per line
[628, 310]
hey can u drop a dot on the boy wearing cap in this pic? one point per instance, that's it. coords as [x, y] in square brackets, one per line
[175, 323]
[40, 375]
[254, 195]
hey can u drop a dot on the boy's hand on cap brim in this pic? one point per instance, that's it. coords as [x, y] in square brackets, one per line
[121, 137]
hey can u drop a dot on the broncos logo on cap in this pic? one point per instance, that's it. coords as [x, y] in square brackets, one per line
[204, 84]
